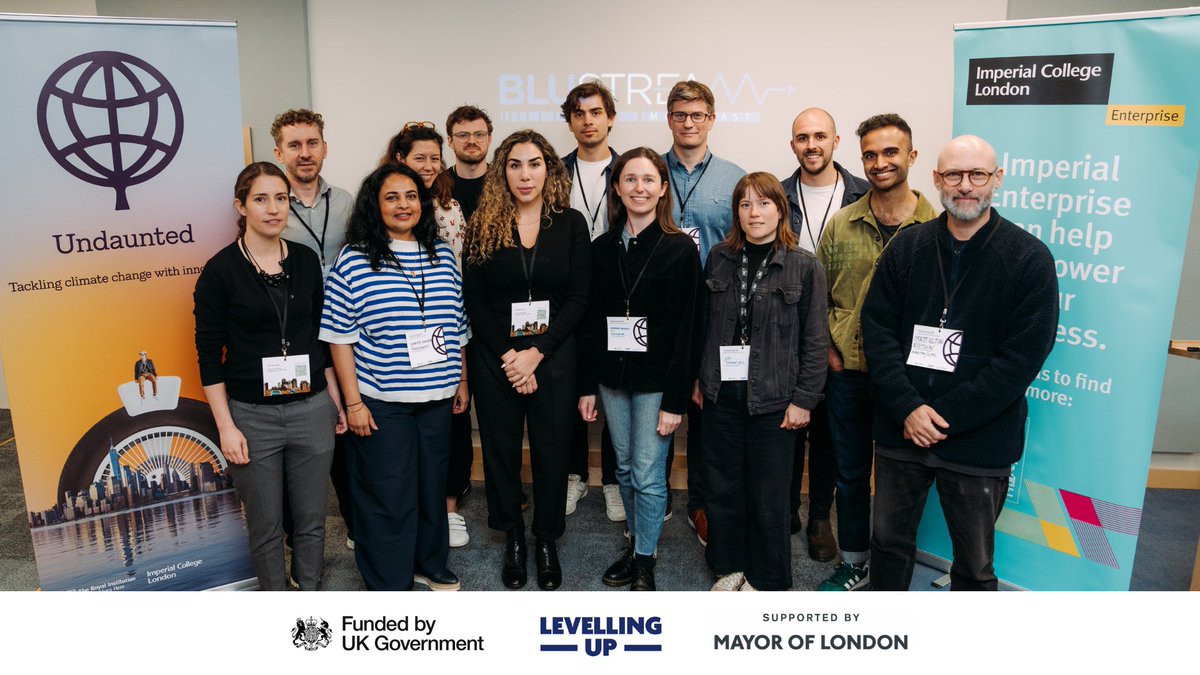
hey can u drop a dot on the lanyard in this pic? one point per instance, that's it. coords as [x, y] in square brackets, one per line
[804, 209]
[748, 291]
[325, 228]
[620, 254]
[592, 215]
[528, 270]
[948, 295]
[421, 297]
[287, 285]
[683, 200]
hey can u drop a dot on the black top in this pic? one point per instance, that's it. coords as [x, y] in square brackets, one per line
[755, 255]
[467, 191]
[562, 271]
[666, 296]
[234, 315]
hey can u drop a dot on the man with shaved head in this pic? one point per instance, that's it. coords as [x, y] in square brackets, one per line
[816, 191]
[960, 315]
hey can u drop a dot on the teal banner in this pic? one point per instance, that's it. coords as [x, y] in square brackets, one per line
[1093, 124]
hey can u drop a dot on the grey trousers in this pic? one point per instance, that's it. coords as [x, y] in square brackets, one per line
[291, 442]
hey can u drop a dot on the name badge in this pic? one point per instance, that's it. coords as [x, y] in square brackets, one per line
[286, 375]
[935, 348]
[529, 318]
[627, 334]
[735, 363]
[426, 346]
[694, 233]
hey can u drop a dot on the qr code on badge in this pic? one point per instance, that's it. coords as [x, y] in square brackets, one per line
[301, 370]
[542, 315]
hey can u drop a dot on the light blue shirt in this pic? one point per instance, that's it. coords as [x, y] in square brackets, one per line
[708, 190]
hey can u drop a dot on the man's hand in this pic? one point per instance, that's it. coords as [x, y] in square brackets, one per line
[922, 426]
[835, 360]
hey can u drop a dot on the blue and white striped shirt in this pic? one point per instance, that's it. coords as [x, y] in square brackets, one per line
[373, 310]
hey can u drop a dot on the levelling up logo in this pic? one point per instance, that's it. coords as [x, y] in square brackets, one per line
[601, 636]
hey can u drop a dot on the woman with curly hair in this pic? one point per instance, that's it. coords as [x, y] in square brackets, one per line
[525, 285]
[396, 328]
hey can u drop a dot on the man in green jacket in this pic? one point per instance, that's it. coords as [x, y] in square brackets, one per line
[848, 249]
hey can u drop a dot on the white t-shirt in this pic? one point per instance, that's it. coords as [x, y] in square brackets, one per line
[589, 195]
[818, 202]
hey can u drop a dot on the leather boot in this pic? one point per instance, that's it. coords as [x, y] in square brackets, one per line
[643, 573]
[620, 573]
[513, 571]
[822, 546]
[549, 573]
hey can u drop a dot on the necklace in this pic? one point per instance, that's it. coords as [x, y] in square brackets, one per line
[272, 280]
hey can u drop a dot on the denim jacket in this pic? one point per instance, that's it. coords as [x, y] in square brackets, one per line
[789, 332]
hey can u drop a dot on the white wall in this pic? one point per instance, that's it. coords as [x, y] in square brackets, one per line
[377, 64]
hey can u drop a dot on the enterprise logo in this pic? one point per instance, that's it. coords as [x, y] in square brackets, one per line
[601, 635]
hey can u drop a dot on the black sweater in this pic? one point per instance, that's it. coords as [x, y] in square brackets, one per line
[561, 274]
[234, 315]
[1007, 308]
[666, 296]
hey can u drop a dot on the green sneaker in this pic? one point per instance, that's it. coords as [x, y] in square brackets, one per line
[847, 577]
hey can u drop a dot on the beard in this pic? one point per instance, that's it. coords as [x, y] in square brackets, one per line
[965, 213]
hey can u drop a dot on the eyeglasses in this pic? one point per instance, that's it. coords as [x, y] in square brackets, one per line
[418, 125]
[462, 136]
[978, 177]
[696, 117]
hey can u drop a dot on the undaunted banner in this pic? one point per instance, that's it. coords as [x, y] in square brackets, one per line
[123, 141]
[1090, 123]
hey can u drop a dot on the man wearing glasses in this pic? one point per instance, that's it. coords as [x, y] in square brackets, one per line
[848, 249]
[470, 131]
[817, 185]
[961, 313]
[317, 217]
[702, 185]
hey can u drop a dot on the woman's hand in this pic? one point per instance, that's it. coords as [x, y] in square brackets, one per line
[234, 447]
[795, 418]
[462, 398]
[668, 422]
[529, 386]
[361, 422]
[342, 425]
[522, 365]
[697, 397]
[587, 408]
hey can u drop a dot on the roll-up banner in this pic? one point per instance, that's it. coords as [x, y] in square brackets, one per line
[1091, 121]
[123, 140]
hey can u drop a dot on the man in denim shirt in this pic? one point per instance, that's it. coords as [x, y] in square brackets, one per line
[702, 184]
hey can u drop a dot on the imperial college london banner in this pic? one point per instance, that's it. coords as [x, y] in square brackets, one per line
[1093, 123]
[123, 141]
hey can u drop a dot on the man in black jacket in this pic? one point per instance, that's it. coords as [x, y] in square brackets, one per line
[961, 314]
[817, 189]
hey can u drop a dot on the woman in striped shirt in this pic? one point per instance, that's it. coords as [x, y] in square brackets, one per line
[396, 328]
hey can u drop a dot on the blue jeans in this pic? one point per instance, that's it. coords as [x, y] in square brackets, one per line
[851, 407]
[641, 455]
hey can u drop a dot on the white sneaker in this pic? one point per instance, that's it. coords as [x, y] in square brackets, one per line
[576, 489]
[613, 505]
[730, 582]
[747, 587]
[458, 530]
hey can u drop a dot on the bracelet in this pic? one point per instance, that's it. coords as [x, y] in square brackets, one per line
[354, 405]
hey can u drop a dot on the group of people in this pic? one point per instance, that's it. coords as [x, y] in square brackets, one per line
[823, 316]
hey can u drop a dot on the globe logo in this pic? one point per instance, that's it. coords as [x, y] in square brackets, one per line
[952, 347]
[110, 119]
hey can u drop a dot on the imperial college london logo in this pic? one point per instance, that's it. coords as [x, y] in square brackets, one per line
[311, 635]
[110, 119]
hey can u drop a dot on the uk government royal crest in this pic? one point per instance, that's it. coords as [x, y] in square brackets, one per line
[310, 635]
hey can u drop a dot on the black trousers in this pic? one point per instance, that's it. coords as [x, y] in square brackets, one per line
[971, 505]
[697, 492]
[821, 472]
[339, 475]
[746, 470]
[580, 449]
[462, 454]
[503, 415]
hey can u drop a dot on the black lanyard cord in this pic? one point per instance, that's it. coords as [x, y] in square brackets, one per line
[592, 215]
[287, 285]
[683, 200]
[948, 295]
[324, 228]
[630, 289]
[532, 259]
[804, 209]
[421, 297]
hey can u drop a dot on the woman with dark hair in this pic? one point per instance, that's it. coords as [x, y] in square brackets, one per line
[395, 324]
[419, 147]
[762, 371]
[645, 273]
[258, 310]
[525, 286]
